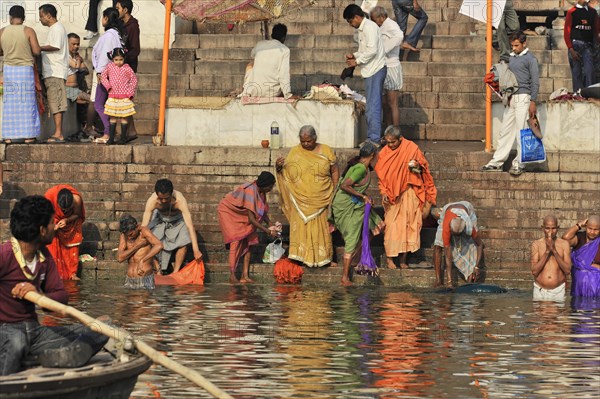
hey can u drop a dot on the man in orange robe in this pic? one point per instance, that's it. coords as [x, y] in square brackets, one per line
[408, 192]
[68, 218]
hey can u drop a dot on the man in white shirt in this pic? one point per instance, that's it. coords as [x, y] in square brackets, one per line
[55, 66]
[269, 74]
[392, 39]
[371, 59]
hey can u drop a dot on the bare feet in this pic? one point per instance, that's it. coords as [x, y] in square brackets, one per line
[438, 284]
[345, 282]
[391, 264]
[403, 266]
[333, 264]
[407, 46]
[246, 279]
[74, 277]
[233, 279]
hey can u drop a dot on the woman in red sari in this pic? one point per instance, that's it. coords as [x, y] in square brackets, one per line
[408, 193]
[68, 218]
[241, 213]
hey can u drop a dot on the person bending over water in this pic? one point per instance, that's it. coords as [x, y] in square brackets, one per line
[138, 246]
[550, 263]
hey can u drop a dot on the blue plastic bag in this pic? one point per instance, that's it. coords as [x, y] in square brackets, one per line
[532, 148]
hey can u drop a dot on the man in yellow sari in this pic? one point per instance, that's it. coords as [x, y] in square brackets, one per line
[306, 179]
[408, 193]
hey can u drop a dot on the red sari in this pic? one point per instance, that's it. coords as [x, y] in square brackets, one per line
[65, 246]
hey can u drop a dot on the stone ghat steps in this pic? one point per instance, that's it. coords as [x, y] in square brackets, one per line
[417, 277]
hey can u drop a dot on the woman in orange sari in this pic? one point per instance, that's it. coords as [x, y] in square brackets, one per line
[68, 218]
[306, 179]
[408, 193]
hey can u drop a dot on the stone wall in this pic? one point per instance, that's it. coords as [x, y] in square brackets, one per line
[117, 180]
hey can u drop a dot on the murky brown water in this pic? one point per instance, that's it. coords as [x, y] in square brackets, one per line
[294, 342]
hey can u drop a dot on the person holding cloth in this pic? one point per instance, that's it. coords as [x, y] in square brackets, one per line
[120, 81]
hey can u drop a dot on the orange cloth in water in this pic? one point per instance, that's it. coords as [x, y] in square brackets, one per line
[65, 245]
[287, 272]
[192, 273]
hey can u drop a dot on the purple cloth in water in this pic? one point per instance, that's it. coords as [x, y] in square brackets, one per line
[586, 278]
[367, 264]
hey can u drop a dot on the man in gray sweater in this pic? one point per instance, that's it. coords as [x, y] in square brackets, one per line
[521, 105]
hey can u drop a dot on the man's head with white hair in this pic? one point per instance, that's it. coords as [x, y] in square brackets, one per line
[457, 226]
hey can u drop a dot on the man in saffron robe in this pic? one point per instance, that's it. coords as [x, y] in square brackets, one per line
[68, 218]
[306, 179]
[585, 257]
[241, 213]
[408, 193]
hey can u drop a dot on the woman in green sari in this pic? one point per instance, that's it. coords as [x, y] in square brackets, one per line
[348, 207]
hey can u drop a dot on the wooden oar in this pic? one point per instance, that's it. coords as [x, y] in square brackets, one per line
[120, 334]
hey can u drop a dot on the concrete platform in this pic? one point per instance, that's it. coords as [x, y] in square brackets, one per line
[566, 126]
[218, 121]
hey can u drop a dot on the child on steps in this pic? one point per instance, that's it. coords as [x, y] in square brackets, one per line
[121, 83]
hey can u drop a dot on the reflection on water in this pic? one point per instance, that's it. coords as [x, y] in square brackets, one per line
[295, 342]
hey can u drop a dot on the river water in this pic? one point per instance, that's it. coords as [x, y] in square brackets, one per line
[260, 341]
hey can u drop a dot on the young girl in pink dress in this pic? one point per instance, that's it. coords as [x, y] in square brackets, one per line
[120, 81]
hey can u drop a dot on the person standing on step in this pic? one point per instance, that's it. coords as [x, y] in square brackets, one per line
[242, 213]
[168, 216]
[19, 45]
[509, 24]
[348, 206]
[404, 8]
[521, 105]
[131, 39]
[121, 83]
[392, 39]
[111, 39]
[582, 31]
[407, 192]
[371, 59]
[55, 68]
[69, 215]
[27, 266]
[550, 263]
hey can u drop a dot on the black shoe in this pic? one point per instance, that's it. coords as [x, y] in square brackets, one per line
[516, 171]
[491, 168]
[111, 133]
[123, 138]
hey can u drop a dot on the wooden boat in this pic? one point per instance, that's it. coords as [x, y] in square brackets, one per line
[102, 378]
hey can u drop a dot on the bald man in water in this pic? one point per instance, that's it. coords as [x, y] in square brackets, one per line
[550, 263]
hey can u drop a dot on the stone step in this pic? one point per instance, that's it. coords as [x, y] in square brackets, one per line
[462, 42]
[36, 163]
